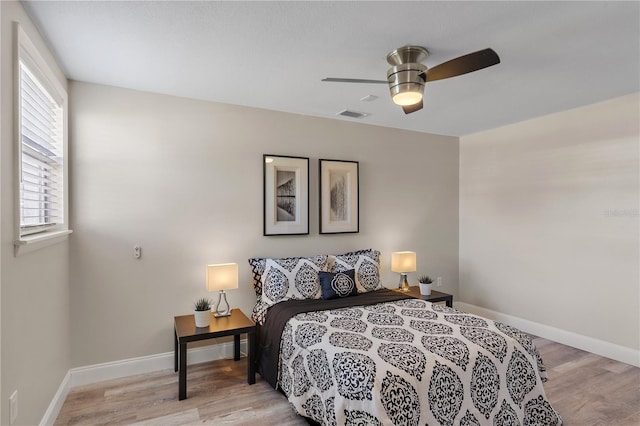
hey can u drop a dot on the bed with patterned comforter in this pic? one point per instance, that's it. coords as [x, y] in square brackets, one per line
[347, 352]
[381, 358]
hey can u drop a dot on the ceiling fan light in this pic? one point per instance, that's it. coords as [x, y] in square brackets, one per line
[407, 98]
[407, 94]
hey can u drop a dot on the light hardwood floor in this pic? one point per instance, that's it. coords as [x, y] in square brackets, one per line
[586, 389]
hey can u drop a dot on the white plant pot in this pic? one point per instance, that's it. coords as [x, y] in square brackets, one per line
[425, 289]
[203, 318]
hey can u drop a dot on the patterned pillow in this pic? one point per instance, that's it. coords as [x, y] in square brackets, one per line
[257, 269]
[291, 278]
[366, 264]
[258, 265]
[338, 284]
[290, 265]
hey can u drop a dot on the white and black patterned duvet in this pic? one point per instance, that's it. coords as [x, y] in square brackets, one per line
[409, 362]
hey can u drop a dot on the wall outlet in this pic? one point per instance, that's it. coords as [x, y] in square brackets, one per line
[137, 252]
[13, 407]
[439, 282]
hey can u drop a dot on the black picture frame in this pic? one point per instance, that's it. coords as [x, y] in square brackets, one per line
[285, 195]
[339, 197]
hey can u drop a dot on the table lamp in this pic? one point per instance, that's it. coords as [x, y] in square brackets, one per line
[403, 262]
[222, 277]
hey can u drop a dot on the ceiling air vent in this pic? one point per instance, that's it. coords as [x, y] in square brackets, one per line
[352, 114]
[369, 98]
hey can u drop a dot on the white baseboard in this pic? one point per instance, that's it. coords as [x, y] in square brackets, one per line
[586, 343]
[146, 364]
[129, 367]
[55, 406]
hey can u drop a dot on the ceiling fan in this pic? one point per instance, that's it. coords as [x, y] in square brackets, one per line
[407, 75]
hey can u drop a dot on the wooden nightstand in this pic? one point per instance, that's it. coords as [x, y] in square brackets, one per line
[435, 296]
[185, 331]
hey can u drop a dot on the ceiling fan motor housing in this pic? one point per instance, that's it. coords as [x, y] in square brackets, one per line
[406, 77]
[407, 54]
[406, 83]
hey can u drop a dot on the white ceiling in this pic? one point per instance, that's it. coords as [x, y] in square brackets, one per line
[555, 55]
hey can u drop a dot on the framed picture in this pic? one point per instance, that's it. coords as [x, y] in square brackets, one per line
[286, 195]
[339, 197]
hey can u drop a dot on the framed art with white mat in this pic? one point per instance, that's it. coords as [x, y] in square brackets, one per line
[339, 197]
[286, 195]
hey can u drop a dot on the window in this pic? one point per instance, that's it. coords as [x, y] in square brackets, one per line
[41, 154]
[41, 162]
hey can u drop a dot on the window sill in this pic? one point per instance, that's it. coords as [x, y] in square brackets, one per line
[30, 243]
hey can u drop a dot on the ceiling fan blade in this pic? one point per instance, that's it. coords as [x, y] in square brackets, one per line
[463, 65]
[408, 109]
[354, 80]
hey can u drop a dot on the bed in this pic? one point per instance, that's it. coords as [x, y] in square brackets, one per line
[373, 356]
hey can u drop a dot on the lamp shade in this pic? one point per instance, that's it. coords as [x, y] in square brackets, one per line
[223, 276]
[403, 261]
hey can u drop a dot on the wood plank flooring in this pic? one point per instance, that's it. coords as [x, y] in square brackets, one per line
[586, 389]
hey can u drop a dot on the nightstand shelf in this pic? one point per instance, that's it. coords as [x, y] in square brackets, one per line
[434, 297]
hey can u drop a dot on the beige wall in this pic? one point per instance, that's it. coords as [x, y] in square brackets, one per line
[545, 213]
[549, 220]
[35, 338]
[183, 179]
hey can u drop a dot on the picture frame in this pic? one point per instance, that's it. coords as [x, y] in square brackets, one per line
[339, 196]
[286, 195]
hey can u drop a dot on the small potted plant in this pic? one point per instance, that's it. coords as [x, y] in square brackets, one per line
[202, 312]
[425, 285]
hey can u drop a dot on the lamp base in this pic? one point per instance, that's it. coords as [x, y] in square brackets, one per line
[403, 285]
[225, 312]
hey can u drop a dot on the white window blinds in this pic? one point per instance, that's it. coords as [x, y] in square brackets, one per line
[41, 157]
